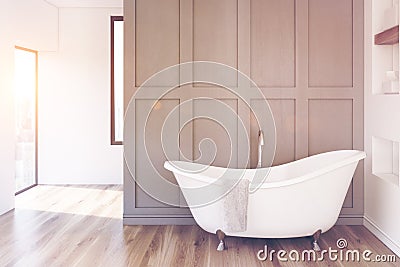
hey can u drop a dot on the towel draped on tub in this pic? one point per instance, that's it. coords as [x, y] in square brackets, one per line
[235, 207]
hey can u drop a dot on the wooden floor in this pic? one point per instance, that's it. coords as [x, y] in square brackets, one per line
[82, 226]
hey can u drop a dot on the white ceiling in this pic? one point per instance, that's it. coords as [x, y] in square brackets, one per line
[86, 3]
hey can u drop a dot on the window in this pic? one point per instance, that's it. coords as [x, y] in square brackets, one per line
[25, 90]
[117, 79]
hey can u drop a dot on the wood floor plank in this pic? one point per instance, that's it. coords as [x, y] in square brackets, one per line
[82, 226]
[201, 247]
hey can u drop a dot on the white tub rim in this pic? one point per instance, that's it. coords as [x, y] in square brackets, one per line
[356, 156]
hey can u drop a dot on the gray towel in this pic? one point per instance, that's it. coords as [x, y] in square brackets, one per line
[235, 207]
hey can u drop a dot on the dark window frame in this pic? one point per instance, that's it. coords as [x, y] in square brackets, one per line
[113, 141]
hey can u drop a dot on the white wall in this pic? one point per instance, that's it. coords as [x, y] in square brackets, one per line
[74, 102]
[31, 24]
[7, 133]
[382, 120]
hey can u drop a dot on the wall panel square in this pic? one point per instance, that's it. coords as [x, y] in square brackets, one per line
[215, 132]
[283, 111]
[215, 31]
[331, 128]
[330, 125]
[330, 37]
[150, 154]
[157, 39]
[272, 38]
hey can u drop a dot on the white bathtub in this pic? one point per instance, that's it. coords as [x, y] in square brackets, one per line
[296, 199]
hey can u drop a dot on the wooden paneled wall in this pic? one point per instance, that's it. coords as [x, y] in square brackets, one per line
[306, 56]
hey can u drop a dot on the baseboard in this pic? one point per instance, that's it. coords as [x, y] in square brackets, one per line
[89, 183]
[350, 220]
[159, 221]
[179, 220]
[381, 235]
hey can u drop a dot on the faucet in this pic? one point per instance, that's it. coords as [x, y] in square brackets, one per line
[260, 144]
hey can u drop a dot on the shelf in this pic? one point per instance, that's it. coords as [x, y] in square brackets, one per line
[388, 37]
[390, 177]
[385, 159]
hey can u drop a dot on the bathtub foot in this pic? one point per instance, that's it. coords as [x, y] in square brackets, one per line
[221, 238]
[316, 236]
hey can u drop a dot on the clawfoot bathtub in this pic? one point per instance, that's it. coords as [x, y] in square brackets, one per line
[300, 198]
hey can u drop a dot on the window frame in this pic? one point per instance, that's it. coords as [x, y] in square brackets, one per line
[113, 141]
[36, 182]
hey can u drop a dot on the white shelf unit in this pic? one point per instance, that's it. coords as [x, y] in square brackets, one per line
[381, 131]
[382, 104]
[385, 57]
